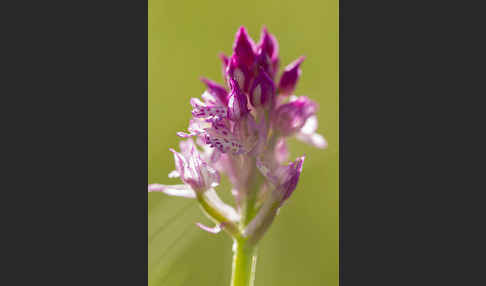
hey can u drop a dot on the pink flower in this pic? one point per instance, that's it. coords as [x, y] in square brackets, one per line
[283, 177]
[196, 174]
[291, 117]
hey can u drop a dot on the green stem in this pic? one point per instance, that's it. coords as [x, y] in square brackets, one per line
[244, 263]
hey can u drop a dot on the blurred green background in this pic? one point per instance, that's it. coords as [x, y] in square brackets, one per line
[184, 39]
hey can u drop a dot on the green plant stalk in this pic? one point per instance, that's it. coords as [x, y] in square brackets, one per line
[244, 263]
[245, 252]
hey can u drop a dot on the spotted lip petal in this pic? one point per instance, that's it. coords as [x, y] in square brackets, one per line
[210, 155]
[211, 112]
[197, 126]
[220, 136]
[215, 134]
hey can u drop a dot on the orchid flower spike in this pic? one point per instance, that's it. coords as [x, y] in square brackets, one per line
[240, 129]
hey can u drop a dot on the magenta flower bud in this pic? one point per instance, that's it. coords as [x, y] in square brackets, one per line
[290, 77]
[268, 44]
[262, 91]
[291, 117]
[237, 102]
[283, 178]
[239, 73]
[290, 178]
[267, 53]
[216, 90]
[244, 48]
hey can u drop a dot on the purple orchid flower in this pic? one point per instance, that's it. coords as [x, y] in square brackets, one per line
[195, 173]
[241, 128]
[291, 117]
